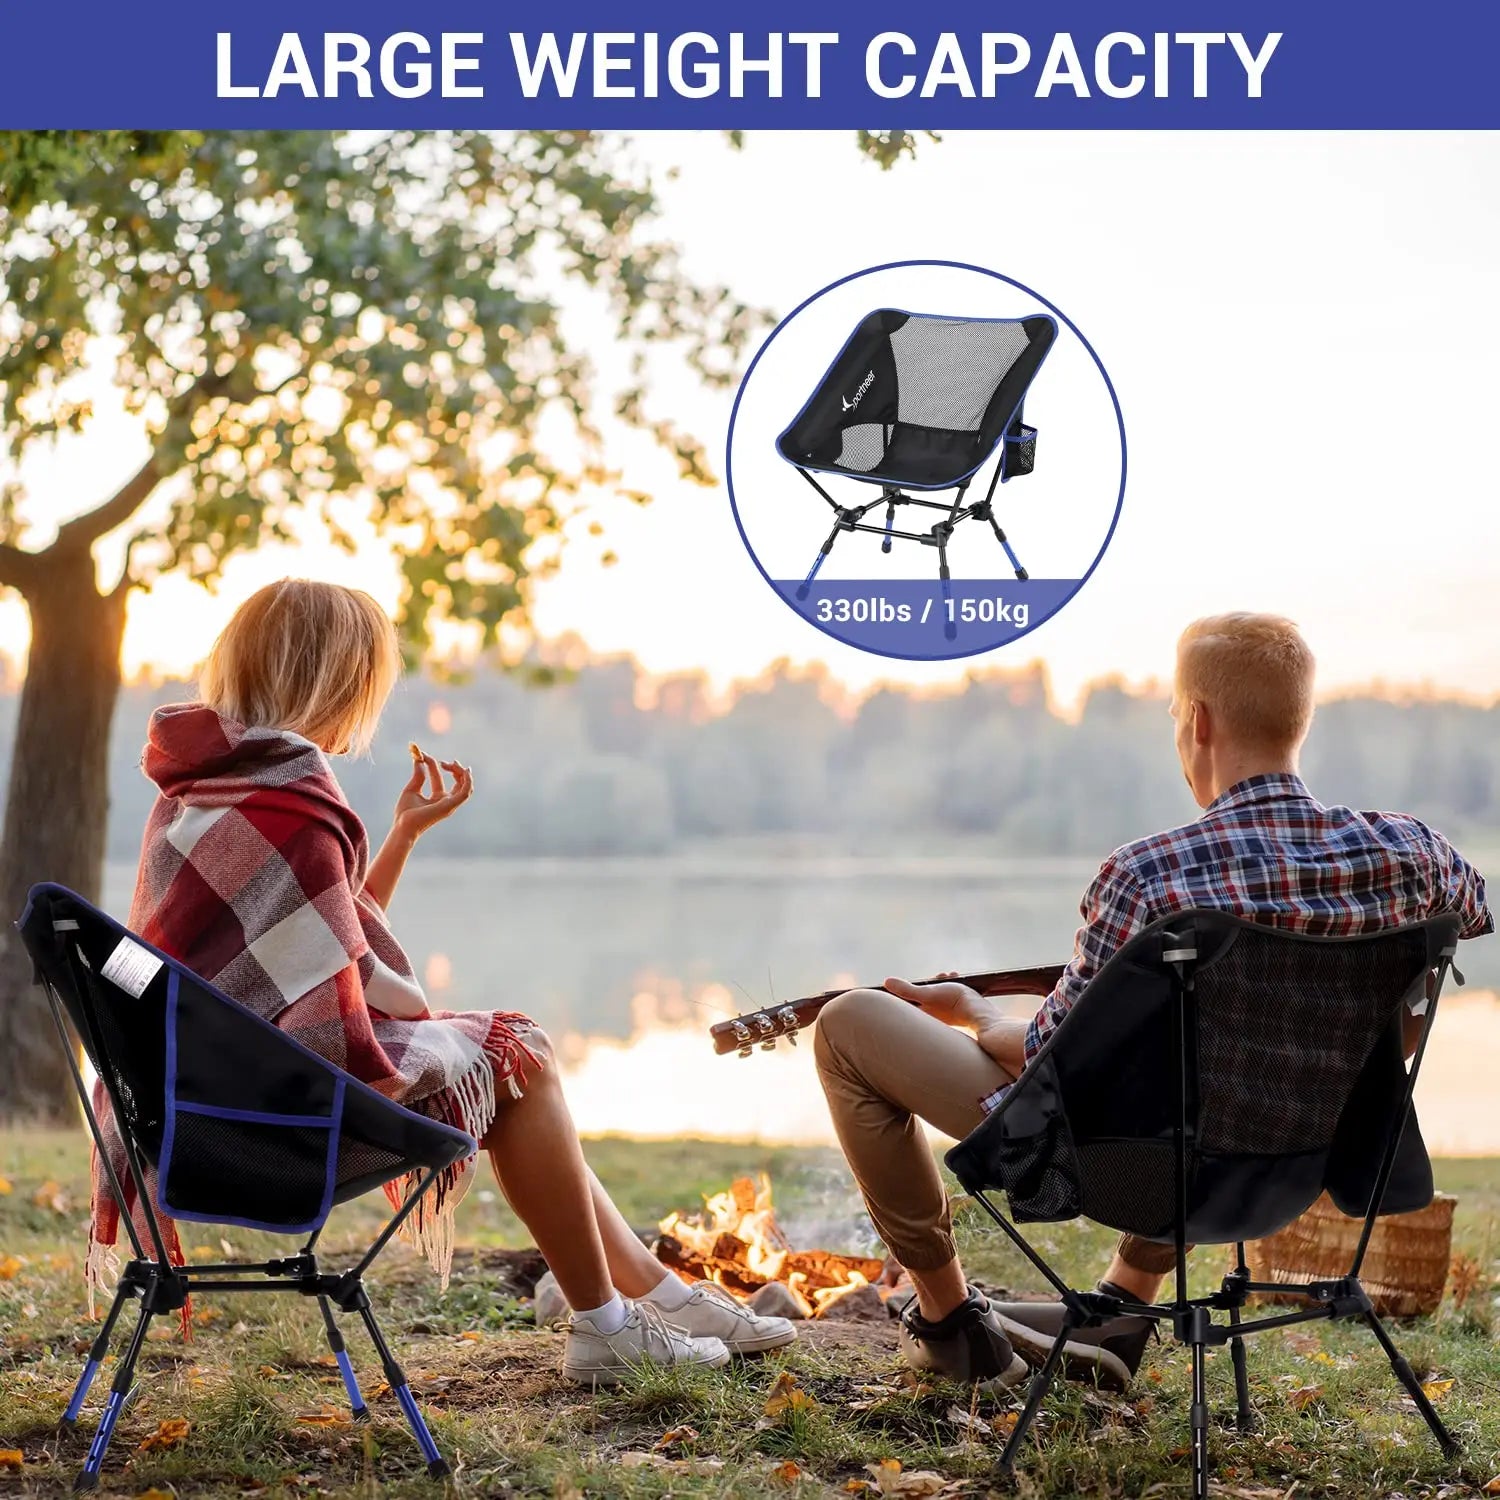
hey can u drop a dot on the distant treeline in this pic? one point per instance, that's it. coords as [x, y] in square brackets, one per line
[607, 761]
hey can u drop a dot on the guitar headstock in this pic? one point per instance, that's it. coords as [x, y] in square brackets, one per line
[758, 1027]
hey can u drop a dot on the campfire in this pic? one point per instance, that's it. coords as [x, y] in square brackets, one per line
[736, 1242]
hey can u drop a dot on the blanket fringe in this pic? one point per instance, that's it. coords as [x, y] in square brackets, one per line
[101, 1270]
[469, 1104]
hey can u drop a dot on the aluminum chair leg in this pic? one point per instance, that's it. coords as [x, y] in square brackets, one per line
[437, 1465]
[119, 1389]
[1413, 1387]
[812, 572]
[1199, 1422]
[97, 1351]
[890, 521]
[357, 1405]
[1041, 1383]
[1004, 541]
[950, 626]
[1244, 1414]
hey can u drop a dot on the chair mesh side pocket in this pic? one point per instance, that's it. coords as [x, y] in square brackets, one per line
[271, 1175]
[1020, 451]
[1035, 1157]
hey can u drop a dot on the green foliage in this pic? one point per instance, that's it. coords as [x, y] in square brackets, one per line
[303, 319]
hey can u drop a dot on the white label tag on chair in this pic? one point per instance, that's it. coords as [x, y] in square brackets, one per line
[131, 967]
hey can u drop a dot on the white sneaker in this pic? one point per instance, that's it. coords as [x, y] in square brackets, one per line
[712, 1313]
[594, 1358]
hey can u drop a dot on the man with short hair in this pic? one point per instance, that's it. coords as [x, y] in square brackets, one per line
[1264, 849]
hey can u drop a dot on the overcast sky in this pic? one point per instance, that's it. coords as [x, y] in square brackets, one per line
[1301, 329]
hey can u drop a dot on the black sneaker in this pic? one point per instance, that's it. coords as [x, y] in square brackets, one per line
[969, 1344]
[1108, 1354]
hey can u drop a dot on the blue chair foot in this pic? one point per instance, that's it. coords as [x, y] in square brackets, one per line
[1022, 573]
[86, 1481]
[950, 630]
[439, 1469]
[802, 591]
[360, 1413]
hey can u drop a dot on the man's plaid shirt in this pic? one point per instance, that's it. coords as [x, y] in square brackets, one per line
[1268, 850]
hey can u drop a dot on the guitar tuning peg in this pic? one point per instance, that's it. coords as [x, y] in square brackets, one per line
[747, 1050]
[791, 1036]
[768, 1046]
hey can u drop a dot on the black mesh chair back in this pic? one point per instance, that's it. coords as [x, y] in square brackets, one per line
[1292, 1048]
[921, 402]
[242, 1124]
[1213, 1079]
[917, 400]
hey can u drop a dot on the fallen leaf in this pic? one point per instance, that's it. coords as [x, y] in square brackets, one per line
[1493, 1487]
[891, 1480]
[206, 1315]
[1303, 1396]
[856, 1486]
[1154, 1376]
[51, 1196]
[6, 1188]
[12, 1459]
[634, 1458]
[1006, 1421]
[472, 1335]
[787, 1473]
[676, 1437]
[966, 1421]
[325, 1416]
[1435, 1390]
[168, 1434]
[786, 1396]
[9, 1267]
[155, 1494]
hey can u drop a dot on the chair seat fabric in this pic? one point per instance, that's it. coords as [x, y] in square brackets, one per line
[1295, 1073]
[244, 1125]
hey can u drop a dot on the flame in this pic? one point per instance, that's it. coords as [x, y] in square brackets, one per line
[739, 1226]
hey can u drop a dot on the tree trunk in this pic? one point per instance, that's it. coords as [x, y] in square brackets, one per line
[56, 808]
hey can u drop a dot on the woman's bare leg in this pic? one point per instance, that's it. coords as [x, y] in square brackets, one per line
[538, 1162]
[633, 1268]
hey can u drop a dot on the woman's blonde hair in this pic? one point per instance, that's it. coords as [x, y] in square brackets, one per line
[315, 658]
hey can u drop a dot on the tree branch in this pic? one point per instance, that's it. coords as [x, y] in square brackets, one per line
[17, 568]
[85, 530]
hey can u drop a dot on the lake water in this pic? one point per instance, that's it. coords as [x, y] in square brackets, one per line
[628, 962]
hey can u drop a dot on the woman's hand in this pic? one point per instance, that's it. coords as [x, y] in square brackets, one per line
[427, 799]
[948, 1001]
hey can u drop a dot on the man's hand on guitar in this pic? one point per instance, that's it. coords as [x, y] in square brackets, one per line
[948, 1001]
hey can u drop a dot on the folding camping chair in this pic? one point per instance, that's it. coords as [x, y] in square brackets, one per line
[243, 1125]
[1211, 1081]
[915, 401]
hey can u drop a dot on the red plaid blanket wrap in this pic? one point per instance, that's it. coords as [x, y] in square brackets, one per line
[252, 874]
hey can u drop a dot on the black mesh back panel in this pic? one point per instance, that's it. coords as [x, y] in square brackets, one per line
[1295, 1083]
[1283, 1033]
[920, 400]
[245, 1125]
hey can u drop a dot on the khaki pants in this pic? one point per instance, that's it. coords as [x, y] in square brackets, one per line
[884, 1065]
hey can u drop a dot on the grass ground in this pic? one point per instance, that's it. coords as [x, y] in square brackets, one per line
[264, 1411]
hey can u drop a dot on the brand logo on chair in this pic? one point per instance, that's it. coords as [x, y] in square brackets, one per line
[864, 385]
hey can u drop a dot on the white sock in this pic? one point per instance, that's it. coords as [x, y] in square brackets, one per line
[670, 1293]
[607, 1319]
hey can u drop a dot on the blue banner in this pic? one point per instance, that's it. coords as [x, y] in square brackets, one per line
[1091, 64]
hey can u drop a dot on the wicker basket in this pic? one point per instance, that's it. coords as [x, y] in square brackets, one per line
[1405, 1268]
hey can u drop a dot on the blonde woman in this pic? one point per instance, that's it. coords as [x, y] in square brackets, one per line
[255, 873]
